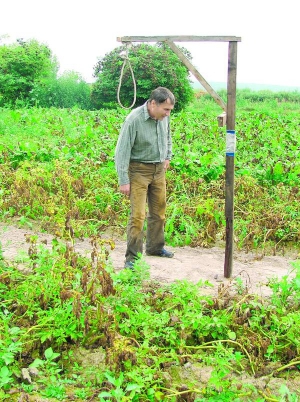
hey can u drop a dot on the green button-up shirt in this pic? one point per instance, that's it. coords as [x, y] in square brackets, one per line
[142, 139]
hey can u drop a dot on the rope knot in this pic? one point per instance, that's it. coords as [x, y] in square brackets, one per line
[124, 54]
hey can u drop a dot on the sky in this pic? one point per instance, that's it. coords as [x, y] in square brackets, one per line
[81, 32]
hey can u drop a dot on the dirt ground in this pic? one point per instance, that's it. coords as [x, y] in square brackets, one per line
[193, 264]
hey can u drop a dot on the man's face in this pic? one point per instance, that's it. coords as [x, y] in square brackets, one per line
[159, 111]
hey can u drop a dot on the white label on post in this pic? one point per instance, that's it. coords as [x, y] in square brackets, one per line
[230, 142]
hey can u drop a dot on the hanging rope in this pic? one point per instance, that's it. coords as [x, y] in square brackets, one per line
[124, 55]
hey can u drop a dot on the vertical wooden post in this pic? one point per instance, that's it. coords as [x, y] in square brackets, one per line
[230, 152]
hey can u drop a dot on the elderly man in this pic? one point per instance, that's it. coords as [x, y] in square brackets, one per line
[142, 156]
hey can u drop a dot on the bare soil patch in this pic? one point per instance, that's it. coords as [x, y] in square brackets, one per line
[192, 264]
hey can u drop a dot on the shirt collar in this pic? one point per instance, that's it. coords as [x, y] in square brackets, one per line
[146, 113]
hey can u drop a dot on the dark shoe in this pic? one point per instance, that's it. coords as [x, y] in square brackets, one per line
[164, 253]
[129, 264]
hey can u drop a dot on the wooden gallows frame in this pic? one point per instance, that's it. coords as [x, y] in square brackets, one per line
[227, 117]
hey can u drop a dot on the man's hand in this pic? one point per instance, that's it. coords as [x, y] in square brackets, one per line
[167, 164]
[125, 189]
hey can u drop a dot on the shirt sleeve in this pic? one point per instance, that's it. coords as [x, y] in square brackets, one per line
[123, 152]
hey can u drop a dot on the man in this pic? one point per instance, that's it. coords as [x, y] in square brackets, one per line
[142, 156]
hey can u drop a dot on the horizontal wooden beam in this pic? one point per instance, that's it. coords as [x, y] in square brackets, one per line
[179, 38]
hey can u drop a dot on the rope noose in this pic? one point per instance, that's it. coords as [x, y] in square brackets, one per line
[124, 55]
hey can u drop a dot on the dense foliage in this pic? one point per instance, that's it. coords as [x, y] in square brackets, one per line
[67, 91]
[28, 77]
[24, 65]
[152, 66]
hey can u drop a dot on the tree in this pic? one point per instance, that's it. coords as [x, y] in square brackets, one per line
[22, 66]
[67, 91]
[153, 66]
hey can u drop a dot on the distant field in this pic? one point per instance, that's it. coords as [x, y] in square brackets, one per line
[57, 165]
[254, 87]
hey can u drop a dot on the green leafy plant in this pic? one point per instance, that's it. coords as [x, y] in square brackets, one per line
[49, 365]
[121, 390]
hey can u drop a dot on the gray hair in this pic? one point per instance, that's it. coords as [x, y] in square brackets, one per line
[161, 94]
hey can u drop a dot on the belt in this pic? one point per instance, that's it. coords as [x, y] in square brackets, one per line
[146, 163]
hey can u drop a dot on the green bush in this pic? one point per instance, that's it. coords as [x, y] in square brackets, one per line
[153, 66]
[67, 91]
[22, 66]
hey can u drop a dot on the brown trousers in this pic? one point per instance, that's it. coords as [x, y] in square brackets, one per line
[147, 185]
